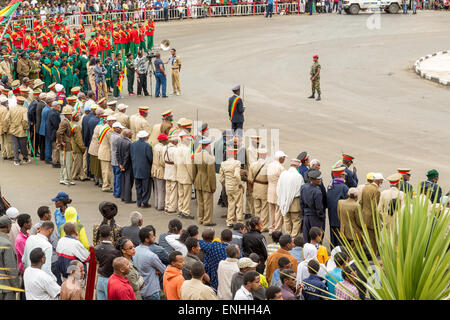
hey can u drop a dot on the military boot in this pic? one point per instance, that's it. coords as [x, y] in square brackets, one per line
[318, 98]
[311, 96]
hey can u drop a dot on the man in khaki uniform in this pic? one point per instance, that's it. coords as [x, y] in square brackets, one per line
[170, 175]
[258, 183]
[274, 170]
[158, 172]
[175, 64]
[18, 120]
[121, 116]
[5, 141]
[78, 149]
[163, 127]
[251, 156]
[23, 66]
[204, 183]
[102, 103]
[35, 66]
[184, 176]
[64, 144]
[348, 212]
[111, 105]
[139, 122]
[370, 197]
[104, 153]
[391, 200]
[230, 176]
[6, 67]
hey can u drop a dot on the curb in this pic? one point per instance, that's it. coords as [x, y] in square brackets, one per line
[429, 76]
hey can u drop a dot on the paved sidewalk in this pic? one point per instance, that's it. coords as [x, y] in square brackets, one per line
[435, 67]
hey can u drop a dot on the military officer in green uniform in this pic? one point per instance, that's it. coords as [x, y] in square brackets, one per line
[315, 78]
[108, 67]
[47, 73]
[116, 69]
[130, 73]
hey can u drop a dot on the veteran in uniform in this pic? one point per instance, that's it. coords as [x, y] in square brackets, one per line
[18, 126]
[158, 172]
[404, 185]
[78, 149]
[163, 127]
[348, 212]
[64, 144]
[7, 152]
[138, 122]
[204, 183]
[170, 175]
[104, 153]
[391, 200]
[259, 184]
[184, 176]
[121, 115]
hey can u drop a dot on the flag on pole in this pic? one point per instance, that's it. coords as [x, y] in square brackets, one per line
[120, 81]
[9, 9]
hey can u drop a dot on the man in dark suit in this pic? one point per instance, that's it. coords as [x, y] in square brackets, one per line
[124, 160]
[88, 125]
[141, 159]
[236, 111]
[39, 107]
[52, 126]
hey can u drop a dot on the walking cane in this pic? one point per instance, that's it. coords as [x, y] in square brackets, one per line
[32, 150]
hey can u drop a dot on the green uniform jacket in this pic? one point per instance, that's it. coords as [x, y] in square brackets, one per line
[56, 75]
[47, 72]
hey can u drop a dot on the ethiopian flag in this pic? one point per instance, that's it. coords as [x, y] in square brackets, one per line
[9, 9]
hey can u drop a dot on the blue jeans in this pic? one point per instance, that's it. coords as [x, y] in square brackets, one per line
[339, 8]
[102, 288]
[405, 8]
[269, 10]
[160, 81]
[117, 180]
[48, 149]
[154, 296]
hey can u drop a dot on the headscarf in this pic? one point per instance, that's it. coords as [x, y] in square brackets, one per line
[309, 253]
[331, 263]
[108, 210]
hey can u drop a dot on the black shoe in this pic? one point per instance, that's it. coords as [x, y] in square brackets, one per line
[131, 201]
[210, 225]
[318, 98]
[187, 217]
[247, 216]
[146, 205]
[165, 96]
[311, 97]
[56, 165]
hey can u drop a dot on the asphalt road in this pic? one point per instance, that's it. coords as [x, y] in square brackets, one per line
[373, 106]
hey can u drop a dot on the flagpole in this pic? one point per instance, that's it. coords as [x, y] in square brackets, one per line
[7, 25]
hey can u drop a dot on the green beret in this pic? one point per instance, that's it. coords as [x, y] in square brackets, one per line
[431, 174]
[47, 61]
[57, 63]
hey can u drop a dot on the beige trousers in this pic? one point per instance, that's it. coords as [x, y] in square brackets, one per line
[176, 80]
[7, 151]
[171, 196]
[66, 166]
[205, 205]
[77, 167]
[275, 218]
[85, 162]
[261, 207]
[235, 206]
[249, 206]
[292, 221]
[184, 198]
[106, 174]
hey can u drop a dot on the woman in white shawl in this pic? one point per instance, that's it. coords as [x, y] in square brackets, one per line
[309, 253]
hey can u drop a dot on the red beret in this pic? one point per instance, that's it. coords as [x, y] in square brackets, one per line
[162, 136]
[315, 56]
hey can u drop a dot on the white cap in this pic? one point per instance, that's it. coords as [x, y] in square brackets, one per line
[118, 125]
[378, 176]
[59, 87]
[142, 134]
[280, 154]
[12, 212]
[111, 118]
[122, 106]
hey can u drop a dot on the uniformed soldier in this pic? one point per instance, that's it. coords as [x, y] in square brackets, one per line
[348, 212]
[351, 179]
[18, 126]
[78, 148]
[391, 200]
[311, 204]
[139, 122]
[315, 78]
[431, 186]
[204, 182]
[121, 116]
[163, 127]
[259, 184]
[170, 175]
[111, 107]
[158, 172]
[175, 64]
[130, 73]
[304, 167]
[117, 68]
[336, 190]
[102, 103]
[236, 111]
[404, 185]
[7, 152]
[104, 153]
[251, 156]
[230, 176]
[184, 175]
[94, 163]
[64, 144]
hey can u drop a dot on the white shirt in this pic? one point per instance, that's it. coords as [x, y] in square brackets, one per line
[172, 240]
[39, 285]
[39, 241]
[243, 294]
[225, 272]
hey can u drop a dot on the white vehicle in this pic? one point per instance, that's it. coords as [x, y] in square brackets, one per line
[354, 6]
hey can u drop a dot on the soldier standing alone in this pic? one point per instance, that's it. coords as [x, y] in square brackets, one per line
[315, 78]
